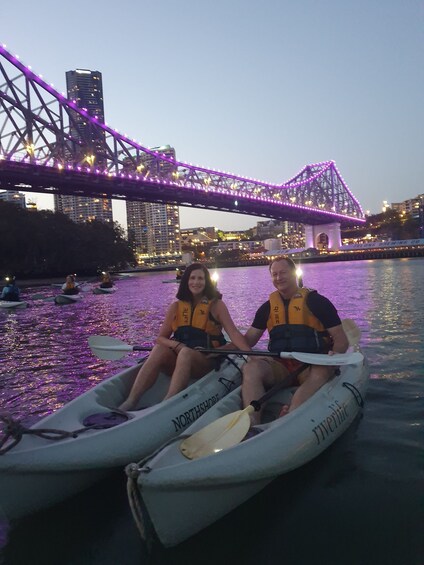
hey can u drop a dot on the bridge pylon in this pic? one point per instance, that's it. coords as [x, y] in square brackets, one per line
[332, 231]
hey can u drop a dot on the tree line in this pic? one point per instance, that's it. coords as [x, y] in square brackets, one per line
[46, 243]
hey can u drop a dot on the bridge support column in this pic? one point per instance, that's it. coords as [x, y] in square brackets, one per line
[332, 231]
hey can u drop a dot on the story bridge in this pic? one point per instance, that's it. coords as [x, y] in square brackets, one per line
[50, 145]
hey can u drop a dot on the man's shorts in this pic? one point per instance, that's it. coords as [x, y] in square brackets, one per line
[283, 367]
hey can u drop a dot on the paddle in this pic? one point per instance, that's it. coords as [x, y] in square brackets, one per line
[353, 333]
[232, 428]
[111, 348]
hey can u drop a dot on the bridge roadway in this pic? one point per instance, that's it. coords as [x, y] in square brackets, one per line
[29, 177]
[51, 180]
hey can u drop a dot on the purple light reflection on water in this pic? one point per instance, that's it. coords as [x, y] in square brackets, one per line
[47, 361]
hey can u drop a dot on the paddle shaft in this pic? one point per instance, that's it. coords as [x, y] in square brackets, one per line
[111, 348]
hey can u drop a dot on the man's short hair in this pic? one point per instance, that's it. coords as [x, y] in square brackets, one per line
[288, 260]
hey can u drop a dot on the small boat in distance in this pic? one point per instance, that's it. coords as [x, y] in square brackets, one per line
[178, 276]
[67, 298]
[100, 290]
[12, 305]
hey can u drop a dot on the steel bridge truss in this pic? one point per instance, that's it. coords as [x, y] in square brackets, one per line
[40, 129]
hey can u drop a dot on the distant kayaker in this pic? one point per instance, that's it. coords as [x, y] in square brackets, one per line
[10, 292]
[106, 280]
[297, 319]
[69, 286]
[195, 320]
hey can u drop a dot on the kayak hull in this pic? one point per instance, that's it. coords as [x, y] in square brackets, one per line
[12, 305]
[99, 290]
[179, 497]
[38, 472]
[67, 298]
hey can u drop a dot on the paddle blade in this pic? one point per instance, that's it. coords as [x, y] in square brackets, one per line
[350, 358]
[353, 333]
[108, 348]
[220, 434]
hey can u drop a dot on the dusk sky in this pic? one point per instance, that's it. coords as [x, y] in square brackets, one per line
[257, 88]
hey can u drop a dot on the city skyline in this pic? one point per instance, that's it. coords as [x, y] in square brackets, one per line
[279, 87]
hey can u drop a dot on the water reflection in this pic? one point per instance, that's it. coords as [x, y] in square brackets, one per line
[47, 361]
[366, 489]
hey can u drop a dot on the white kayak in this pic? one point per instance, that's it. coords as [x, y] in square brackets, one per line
[173, 497]
[38, 472]
[100, 290]
[12, 305]
[67, 298]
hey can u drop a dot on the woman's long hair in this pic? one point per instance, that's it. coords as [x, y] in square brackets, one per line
[210, 291]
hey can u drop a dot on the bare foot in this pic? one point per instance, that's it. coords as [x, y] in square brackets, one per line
[284, 410]
[126, 406]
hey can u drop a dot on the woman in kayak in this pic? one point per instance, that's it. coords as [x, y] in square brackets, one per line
[106, 280]
[195, 320]
[69, 286]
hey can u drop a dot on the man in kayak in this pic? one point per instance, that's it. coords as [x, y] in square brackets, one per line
[297, 319]
[194, 321]
[10, 292]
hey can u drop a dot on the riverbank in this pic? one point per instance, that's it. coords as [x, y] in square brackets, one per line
[298, 258]
[46, 281]
[34, 282]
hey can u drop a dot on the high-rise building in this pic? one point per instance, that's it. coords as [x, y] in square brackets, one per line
[154, 229]
[292, 234]
[84, 87]
[14, 197]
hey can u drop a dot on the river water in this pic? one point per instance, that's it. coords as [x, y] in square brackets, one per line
[361, 502]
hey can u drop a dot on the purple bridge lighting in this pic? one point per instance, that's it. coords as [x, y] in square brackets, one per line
[39, 152]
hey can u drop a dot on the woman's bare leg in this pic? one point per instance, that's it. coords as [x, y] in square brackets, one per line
[161, 359]
[190, 363]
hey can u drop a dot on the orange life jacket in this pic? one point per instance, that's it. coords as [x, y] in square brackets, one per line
[196, 327]
[293, 327]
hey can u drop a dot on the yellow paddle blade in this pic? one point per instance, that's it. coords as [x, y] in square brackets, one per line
[220, 434]
[353, 333]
